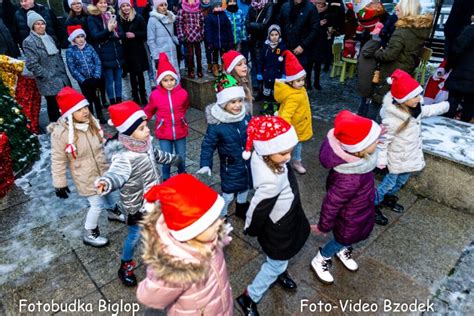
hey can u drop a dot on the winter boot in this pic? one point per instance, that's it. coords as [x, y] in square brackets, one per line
[380, 219]
[93, 238]
[215, 70]
[112, 101]
[126, 274]
[118, 100]
[209, 68]
[298, 166]
[321, 266]
[199, 71]
[390, 201]
[248, 306]
[286, 282]
[143, 98]
[345, 255]
[191, 73]
[135, 97]
[241, 210]
[114, 214]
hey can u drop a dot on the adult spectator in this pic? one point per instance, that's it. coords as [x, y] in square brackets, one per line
[54, 28]
[7, 45]
[43, 59]
[78, 16]
[459, 17]
[7, 13]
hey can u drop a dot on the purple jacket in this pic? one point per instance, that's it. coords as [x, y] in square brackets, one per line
[348, 207]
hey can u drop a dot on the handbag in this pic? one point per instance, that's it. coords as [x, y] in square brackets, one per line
[173, 38]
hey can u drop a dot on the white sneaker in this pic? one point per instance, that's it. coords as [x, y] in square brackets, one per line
[321, 266]
[298, 166]
[345, 255]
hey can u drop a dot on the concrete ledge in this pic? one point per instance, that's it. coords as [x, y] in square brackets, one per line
[201, 92]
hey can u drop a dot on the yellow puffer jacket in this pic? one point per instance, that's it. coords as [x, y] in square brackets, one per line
[294, 108]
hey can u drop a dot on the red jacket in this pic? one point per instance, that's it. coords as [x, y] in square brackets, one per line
[170, 108]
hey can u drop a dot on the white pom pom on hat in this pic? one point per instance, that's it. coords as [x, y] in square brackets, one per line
[246, 155]
[389, 80]
[280, 58]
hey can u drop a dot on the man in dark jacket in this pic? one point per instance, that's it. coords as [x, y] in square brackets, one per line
[7, 12]
[459, 17]
[7, 45]
[54, 27]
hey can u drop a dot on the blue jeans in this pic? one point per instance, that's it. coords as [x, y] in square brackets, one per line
[131, 242]
[179, 148]
[267, 275]
[113, 82]
[296, 155]
[229, 197]
[331, 248]
[390, 185]
[97, 203]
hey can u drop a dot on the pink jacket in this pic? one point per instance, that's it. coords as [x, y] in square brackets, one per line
[178, 281]
[170, 108]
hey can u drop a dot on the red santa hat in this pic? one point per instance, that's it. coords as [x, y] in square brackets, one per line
[165, 68]
[293, 68]
[231, 59]
[269, 135]
[354, 132]
[188, 206]
[404, 87]
[126, 116]
[74, 31]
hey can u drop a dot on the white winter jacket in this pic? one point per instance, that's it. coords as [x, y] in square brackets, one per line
[158, 39]
[401, 151]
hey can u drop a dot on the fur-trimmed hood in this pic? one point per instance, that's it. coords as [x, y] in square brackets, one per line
[166, 19]
[112, 148]
[217, 115]
[94, 10]
[415, 21]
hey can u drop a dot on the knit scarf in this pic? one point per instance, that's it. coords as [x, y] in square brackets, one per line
[258, 4]
[190, 7]
[48, 43]
[271, 44]
[135, 145]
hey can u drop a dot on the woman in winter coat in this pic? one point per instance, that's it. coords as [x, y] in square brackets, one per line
[404, 48]
[160, 33]
[227, 132]
[190, 29]
[106, 33]
[183, 250]
[43, 59]
[348, 207]
[136, 59]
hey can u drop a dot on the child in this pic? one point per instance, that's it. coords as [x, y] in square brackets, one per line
[235, 65]
[270, 65]
[294, 105]
[183, 249]
[366, 67]
[348, 208]
[76, 141]
[218, 34]
[133, 170]
[226, 132]
[401, 152]
[85, 66]
[205, 6]
[275, 216]
[170, 102]
[190, 29]
[237, 20]
[106, 34]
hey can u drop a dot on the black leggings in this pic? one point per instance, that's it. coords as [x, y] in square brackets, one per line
[53, 108]
[90, 92]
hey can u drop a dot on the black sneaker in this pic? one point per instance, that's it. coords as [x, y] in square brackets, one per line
[248, 306]
[380, 219]
[390, 201]
[126, 274]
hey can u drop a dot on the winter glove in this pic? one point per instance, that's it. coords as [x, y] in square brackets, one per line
[62, 192]
[177, 160]
[259, 77]
[205, 170]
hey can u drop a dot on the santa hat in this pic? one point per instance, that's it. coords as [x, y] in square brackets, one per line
[354, 132]
[269, 135]
[231, 59]
[165, 68]
[404, 87]
[156, 3]
[70, 101]
[188, 206]
[227, 89]
[293, 68]
[126, 117]
[69, 2]
[74, 31]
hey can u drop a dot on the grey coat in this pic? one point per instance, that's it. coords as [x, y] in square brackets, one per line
[158, 39]
[134, 173]
[49, 71]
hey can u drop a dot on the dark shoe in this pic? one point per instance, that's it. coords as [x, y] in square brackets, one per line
[215, 70]
[200, 75]
[380, 219]
[241, 210]
[317, 86]
[118, 100]
[191, 74]
[126, 274]
[143, 99]
[112, 102]
[248, 306]
[286, 282]
[209, 68]
[390, 201]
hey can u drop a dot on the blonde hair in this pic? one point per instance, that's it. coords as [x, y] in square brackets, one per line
[131, 15]
[408, 8]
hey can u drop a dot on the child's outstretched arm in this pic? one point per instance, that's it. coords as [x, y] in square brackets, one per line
[157, 294]
[260, 208]
[434, 109]
[164, 158]
[118, 173]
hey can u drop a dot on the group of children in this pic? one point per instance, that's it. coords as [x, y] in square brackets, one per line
[182, 221]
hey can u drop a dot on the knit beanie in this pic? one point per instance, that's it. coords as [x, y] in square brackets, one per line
[273, 27]
[215, 3]
[32, 17]
[227, 89]
[355, 133]
[69, 2]
[156, 3]
[120, 2]
[205, 5]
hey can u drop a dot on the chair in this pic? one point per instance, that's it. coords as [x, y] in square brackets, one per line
[352, 68]
[337, 64]
[421, 70]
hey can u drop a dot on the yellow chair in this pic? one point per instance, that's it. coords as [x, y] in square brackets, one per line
[336, 62]
[421, 70]
[352, 68]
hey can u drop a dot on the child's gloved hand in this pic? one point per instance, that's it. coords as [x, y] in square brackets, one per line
[205, 170]
[259, 77]
[62, 193]
[315, 230]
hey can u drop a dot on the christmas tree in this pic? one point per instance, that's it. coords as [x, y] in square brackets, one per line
[24, 145]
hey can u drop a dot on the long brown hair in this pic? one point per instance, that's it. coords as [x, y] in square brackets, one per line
[93, 128]
[246, 83]
[404, 108]
[276, 168]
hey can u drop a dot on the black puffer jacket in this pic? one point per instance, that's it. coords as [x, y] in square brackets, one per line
[461, 78]
[82, 21]
[7, 45]
[299, 28]
[134, 51]
[257, 23]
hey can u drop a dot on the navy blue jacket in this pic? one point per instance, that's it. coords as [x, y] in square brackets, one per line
[269, 66]
[229, 139]
[218, 31]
